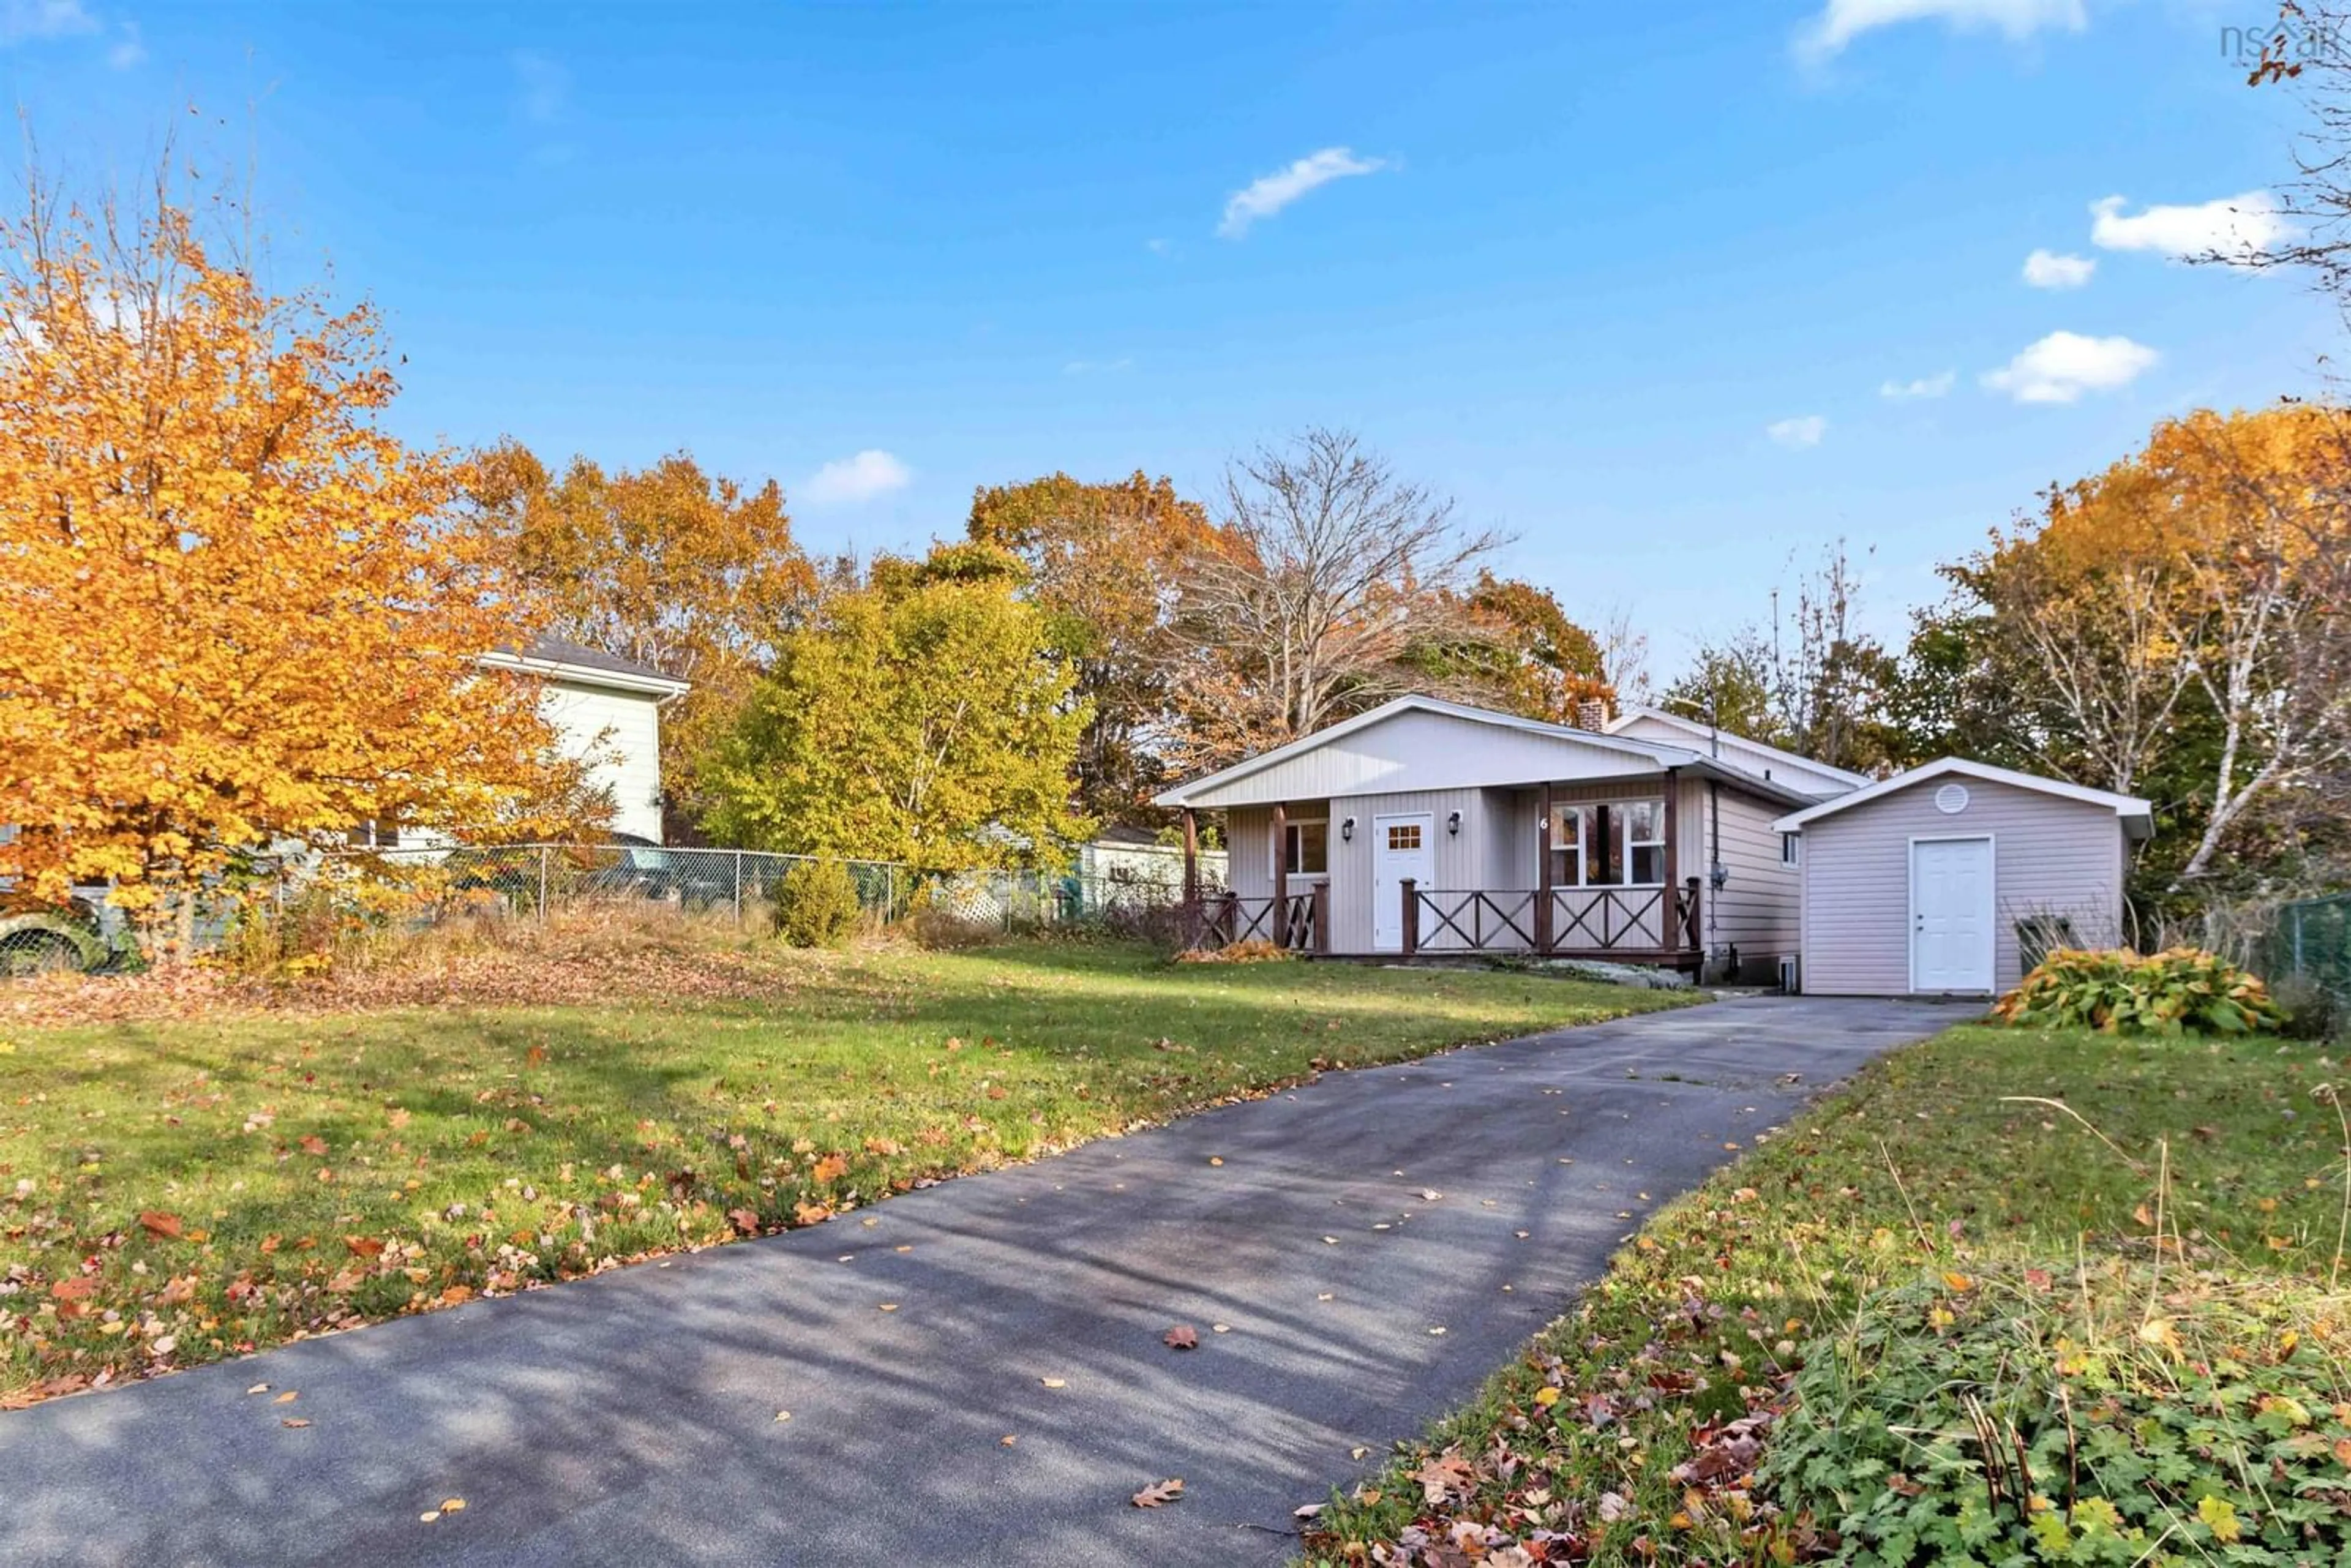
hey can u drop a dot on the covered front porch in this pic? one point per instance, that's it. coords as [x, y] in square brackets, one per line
[1563, 868]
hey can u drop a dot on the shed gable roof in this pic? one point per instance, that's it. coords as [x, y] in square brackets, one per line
[2137, 816]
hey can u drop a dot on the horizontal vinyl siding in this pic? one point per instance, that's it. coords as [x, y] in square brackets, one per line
[1760, 909]
[2050, 855]
[619, 735]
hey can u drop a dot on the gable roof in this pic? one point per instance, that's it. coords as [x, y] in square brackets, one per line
[1641, 755]
[1703, 735]
[2137, 816]
[561, 660]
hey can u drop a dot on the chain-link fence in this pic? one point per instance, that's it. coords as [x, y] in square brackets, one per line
[2313, 939]
[539, 879]
[424, 885]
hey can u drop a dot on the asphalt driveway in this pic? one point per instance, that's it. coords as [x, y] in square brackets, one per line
[974, 1373]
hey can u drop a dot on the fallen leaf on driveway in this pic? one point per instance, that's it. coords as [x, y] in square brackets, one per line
[1008, 1439]
[293, 1421]
[889, 1306]
[1054, 1382]
[1163, 1493]
[1220, 1328]
[1216, 1159]
[428, 1516]
[1183, 1336]
[258, 1388]
[1307, 1510]
[287, 1398]
[453, 1505]
[1430, 1195]
[783, 1415]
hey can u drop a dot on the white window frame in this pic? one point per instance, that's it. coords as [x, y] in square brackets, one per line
[1792, 849]
[1622, 824]
[1279, 847]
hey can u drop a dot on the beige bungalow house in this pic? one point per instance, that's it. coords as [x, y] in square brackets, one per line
[1426, 827]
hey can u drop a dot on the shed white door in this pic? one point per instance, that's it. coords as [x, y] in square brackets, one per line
[1950, 914]
[1402, 846]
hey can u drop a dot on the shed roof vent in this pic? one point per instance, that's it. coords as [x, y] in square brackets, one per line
[1951, 799]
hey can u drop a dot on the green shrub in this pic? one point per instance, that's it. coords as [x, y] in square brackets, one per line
[816, 904]
[2180, 991]
[2044, 1417]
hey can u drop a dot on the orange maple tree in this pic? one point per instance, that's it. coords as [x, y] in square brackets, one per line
[234, 611]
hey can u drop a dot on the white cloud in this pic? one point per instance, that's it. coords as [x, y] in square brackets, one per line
[2231, 226]
[1842, 21]
[24, 19]
[1925, 386]
[542, 87]
[1268, 195]
[847, 481]
[2063, 366]
[1802, 431]
[2047, 269]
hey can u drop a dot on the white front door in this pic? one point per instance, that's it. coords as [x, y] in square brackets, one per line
[1402, 847]
[1950, 914]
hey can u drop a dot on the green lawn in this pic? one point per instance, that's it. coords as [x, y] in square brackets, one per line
[172, 1193]
[1703, 1318]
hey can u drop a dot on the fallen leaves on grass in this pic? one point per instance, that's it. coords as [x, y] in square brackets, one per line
[1160, 1493]
[1183, 1336]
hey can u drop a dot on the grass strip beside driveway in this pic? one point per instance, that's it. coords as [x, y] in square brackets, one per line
[175, 1193]
[1938, 1163]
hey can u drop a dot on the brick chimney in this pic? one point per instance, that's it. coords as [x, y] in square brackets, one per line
[1592, 713]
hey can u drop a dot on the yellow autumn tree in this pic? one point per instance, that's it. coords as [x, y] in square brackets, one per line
[234, 611]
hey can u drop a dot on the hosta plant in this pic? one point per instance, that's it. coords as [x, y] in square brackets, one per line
[2182, 990]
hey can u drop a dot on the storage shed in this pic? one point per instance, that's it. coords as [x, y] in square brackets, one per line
[1935, 881]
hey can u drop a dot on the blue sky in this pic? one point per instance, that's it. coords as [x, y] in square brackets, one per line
[1628, 281]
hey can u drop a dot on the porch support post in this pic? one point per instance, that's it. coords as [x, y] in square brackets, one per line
[1411, 891]
[1280, 874]
[1673, 855]
[1191, 856]
[1322, 916]
[1543, 869]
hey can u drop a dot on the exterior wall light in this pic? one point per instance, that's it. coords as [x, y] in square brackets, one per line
[1347, 830]
[1453, 825]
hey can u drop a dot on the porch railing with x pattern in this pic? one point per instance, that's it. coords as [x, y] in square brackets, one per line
[1476, 921]
[1227, 918]
[1648, 924]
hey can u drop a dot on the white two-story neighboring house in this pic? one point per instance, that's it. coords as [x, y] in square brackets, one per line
[608, 710]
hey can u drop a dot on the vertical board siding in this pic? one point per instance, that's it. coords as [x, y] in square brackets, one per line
[1457, 858]
[1417, 752]
[1249, 846]
[619, 735]
[2050, 855]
